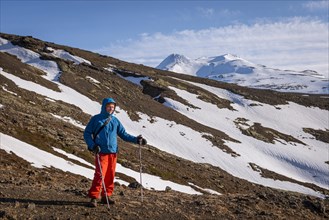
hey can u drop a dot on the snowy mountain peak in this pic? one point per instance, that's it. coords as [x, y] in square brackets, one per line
[172, 60]
[226, 57]
[178, 57]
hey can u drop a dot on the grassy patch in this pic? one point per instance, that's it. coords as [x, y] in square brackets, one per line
[320, 135]
[261, 133]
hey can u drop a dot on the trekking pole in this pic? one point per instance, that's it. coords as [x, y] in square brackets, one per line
[103, 183]
[140, 168]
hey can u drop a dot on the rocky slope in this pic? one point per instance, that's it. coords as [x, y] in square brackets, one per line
[30, 193]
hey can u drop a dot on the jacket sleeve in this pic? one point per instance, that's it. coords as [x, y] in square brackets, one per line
[121, 131]
[87, 135]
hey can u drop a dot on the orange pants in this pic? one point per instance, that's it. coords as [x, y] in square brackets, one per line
[108, 163]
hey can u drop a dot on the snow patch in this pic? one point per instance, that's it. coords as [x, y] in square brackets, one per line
[71, 156]
[67, 56]
[70, 120]
[50, 100]
[67, 94]
[92, 80]
[30, 57]
[135, 80]
[205, 189]
[5, 89]
[39, 158]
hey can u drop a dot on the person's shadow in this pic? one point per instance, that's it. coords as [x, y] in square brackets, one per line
[42, 202]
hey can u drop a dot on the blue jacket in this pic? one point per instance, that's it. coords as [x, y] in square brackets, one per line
[107, 137]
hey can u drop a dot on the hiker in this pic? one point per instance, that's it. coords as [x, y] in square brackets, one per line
[102, 140]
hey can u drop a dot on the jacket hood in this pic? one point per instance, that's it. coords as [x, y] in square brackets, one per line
[105, 102]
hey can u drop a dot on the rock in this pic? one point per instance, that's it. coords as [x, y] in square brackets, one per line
[84, 180]
[314, 207]
[199, 203]
[31, 173]
[262, 196]
[134, 185]
[30, 206]
[262, 213]
[2, 214]
[168, 189]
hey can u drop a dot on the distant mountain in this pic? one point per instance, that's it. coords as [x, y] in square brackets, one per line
[233, 69]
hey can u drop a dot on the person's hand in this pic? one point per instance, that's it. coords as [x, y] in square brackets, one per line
[141, 140]
[96, 149]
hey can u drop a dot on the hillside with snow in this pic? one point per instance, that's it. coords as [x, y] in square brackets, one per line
[233, 69]
[205, 137]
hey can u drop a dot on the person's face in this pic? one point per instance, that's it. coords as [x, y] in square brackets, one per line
[110, 108]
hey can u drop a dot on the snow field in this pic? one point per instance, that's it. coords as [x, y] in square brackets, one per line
[292, 160]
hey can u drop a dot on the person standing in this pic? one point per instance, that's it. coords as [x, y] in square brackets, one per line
[100, 136]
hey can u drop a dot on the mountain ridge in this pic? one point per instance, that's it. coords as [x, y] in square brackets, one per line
[24, 115]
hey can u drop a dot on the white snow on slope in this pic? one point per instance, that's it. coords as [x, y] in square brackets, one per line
[71, 156]
[31, 58]
[135, 80]
[67, 56]
[93, 80]
[10, 92]
[303, 163]
[67, 94]
[70, 120]
[207, 190]
[39, 158]
[155, 182]
[189, 144]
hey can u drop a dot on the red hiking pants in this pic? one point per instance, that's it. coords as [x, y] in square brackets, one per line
[108, 164]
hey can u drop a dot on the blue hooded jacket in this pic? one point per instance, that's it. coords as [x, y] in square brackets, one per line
[107, 137]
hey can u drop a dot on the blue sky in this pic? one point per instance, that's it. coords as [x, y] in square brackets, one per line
[279, 34]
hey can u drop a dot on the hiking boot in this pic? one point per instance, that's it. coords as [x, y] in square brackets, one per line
[93, 203]
[103, 200]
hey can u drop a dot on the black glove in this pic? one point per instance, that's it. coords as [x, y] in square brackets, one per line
[96, 149]
[141, 140]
